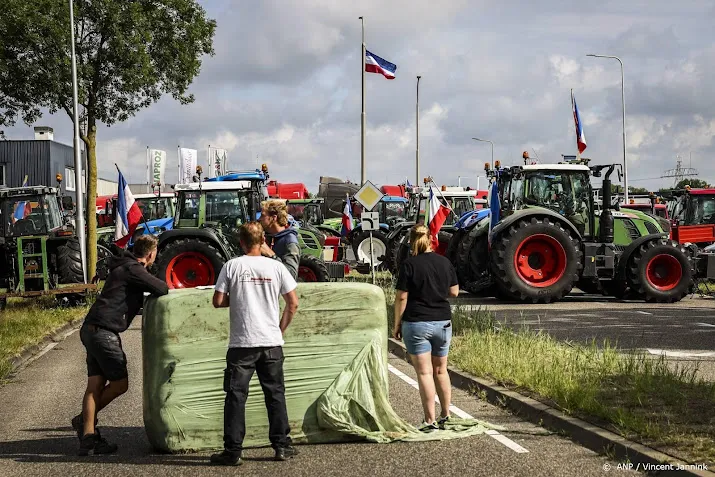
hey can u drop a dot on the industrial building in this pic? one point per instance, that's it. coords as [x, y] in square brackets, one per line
[38, 161]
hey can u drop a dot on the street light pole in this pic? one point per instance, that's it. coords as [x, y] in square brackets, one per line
[487, 140]
[79, 219]
[623, 102]
[417, 120]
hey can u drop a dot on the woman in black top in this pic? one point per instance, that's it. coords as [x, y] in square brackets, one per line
[423, 319]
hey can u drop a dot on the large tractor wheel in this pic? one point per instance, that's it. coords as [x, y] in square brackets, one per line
[536, 261]
[472, 263]
[69, 262]
[403, 251]
[312, 269]
[361, 246]
[660, 271]
[189, 263]
[392, 254]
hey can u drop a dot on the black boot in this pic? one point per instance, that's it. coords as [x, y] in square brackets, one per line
[95, 444]
[283, 453]
[226, 458]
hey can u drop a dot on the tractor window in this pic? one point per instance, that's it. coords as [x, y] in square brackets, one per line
[704, 209]
[155, 207]
[296, 210]
[462, 205]
[312, 214]
[227, 208]
[52, 210]
[30, 215]
[567, 193]
[679, 210]
[188, 204]
[516, 193]
[394, 209]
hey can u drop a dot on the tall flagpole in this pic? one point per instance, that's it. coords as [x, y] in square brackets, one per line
[417, 120]
[362, 115]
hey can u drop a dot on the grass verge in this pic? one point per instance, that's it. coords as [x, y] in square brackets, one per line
[25, 323]
[640, 397]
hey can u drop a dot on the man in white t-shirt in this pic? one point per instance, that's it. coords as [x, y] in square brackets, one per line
[250, 286]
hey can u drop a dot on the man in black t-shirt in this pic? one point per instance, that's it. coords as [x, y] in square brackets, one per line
[423, 320]
[121, 299]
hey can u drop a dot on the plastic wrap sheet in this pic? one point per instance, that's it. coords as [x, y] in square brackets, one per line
[184, 350]
[335, 372]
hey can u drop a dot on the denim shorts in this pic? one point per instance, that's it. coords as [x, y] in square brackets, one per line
[424, 336]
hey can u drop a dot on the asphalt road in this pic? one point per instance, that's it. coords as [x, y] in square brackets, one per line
[36, 439]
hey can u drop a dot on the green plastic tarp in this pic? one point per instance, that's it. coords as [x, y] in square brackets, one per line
[335, 372]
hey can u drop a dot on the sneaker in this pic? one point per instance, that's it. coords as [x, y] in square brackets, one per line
[283, 453]
[443, 421]
[95, 444]
[78, 424]
[427, 427]
[226, 458]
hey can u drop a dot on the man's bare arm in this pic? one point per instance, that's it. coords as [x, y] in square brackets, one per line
[291, 307]
[221, 300]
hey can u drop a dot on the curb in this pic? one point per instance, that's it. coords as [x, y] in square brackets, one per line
[587, 435]
[28, 354]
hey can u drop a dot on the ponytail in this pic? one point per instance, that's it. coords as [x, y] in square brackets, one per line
[420, 241]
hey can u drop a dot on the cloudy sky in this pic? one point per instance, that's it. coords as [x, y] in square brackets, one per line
[284, 88]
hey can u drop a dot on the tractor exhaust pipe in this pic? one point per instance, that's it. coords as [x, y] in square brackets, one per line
[606, 222]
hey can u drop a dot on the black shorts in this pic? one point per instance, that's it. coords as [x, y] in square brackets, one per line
[105, 356]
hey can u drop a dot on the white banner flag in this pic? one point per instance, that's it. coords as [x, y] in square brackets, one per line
[188, 164]
[217, 162]
[157, 166]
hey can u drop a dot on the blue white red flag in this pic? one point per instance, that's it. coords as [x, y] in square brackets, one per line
[375, 64]
[347, 218]
[128, 213]
[22, 210]
[580, 136]
[438, 214]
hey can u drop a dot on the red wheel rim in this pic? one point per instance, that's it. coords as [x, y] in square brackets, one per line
[540, 260]
[664, 272]
[189, 270]
[307, 275]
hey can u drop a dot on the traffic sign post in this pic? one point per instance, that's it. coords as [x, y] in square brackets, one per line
[369, 196]
[370, 221]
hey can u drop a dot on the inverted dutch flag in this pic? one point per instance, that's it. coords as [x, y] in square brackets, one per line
[493, 206]
[128, 213]
[375, 64]
[580, 136]
[22, 210]
[438, 213]
[347, 218]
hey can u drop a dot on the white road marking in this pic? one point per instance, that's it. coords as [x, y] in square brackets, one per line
[643, 312]
[706, 324]
[682, 354]
[464, 415]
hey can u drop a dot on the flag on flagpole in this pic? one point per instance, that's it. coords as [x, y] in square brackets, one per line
[438, 213]
[375, 64]
[408, 183]
[580, 136]
[128, 213]
[347, 218]
[493, 206]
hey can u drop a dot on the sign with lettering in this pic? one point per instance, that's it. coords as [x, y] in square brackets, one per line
[157, 166]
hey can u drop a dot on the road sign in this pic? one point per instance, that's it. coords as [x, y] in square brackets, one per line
[370, 221]
[369, 195]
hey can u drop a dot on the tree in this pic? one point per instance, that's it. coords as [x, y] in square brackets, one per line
[129, 54]
[694, 183]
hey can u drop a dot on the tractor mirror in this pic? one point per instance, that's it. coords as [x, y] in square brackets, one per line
[67, 203]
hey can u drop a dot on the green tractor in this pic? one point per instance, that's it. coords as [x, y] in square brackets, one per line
[39, 251]
[204, 236]
[549, 239]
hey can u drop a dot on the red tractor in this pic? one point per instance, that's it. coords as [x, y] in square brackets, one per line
[693, 216]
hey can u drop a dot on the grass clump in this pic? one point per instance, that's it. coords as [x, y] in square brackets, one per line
[26, 322]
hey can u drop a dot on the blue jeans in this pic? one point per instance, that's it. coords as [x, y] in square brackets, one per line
[424, 336]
